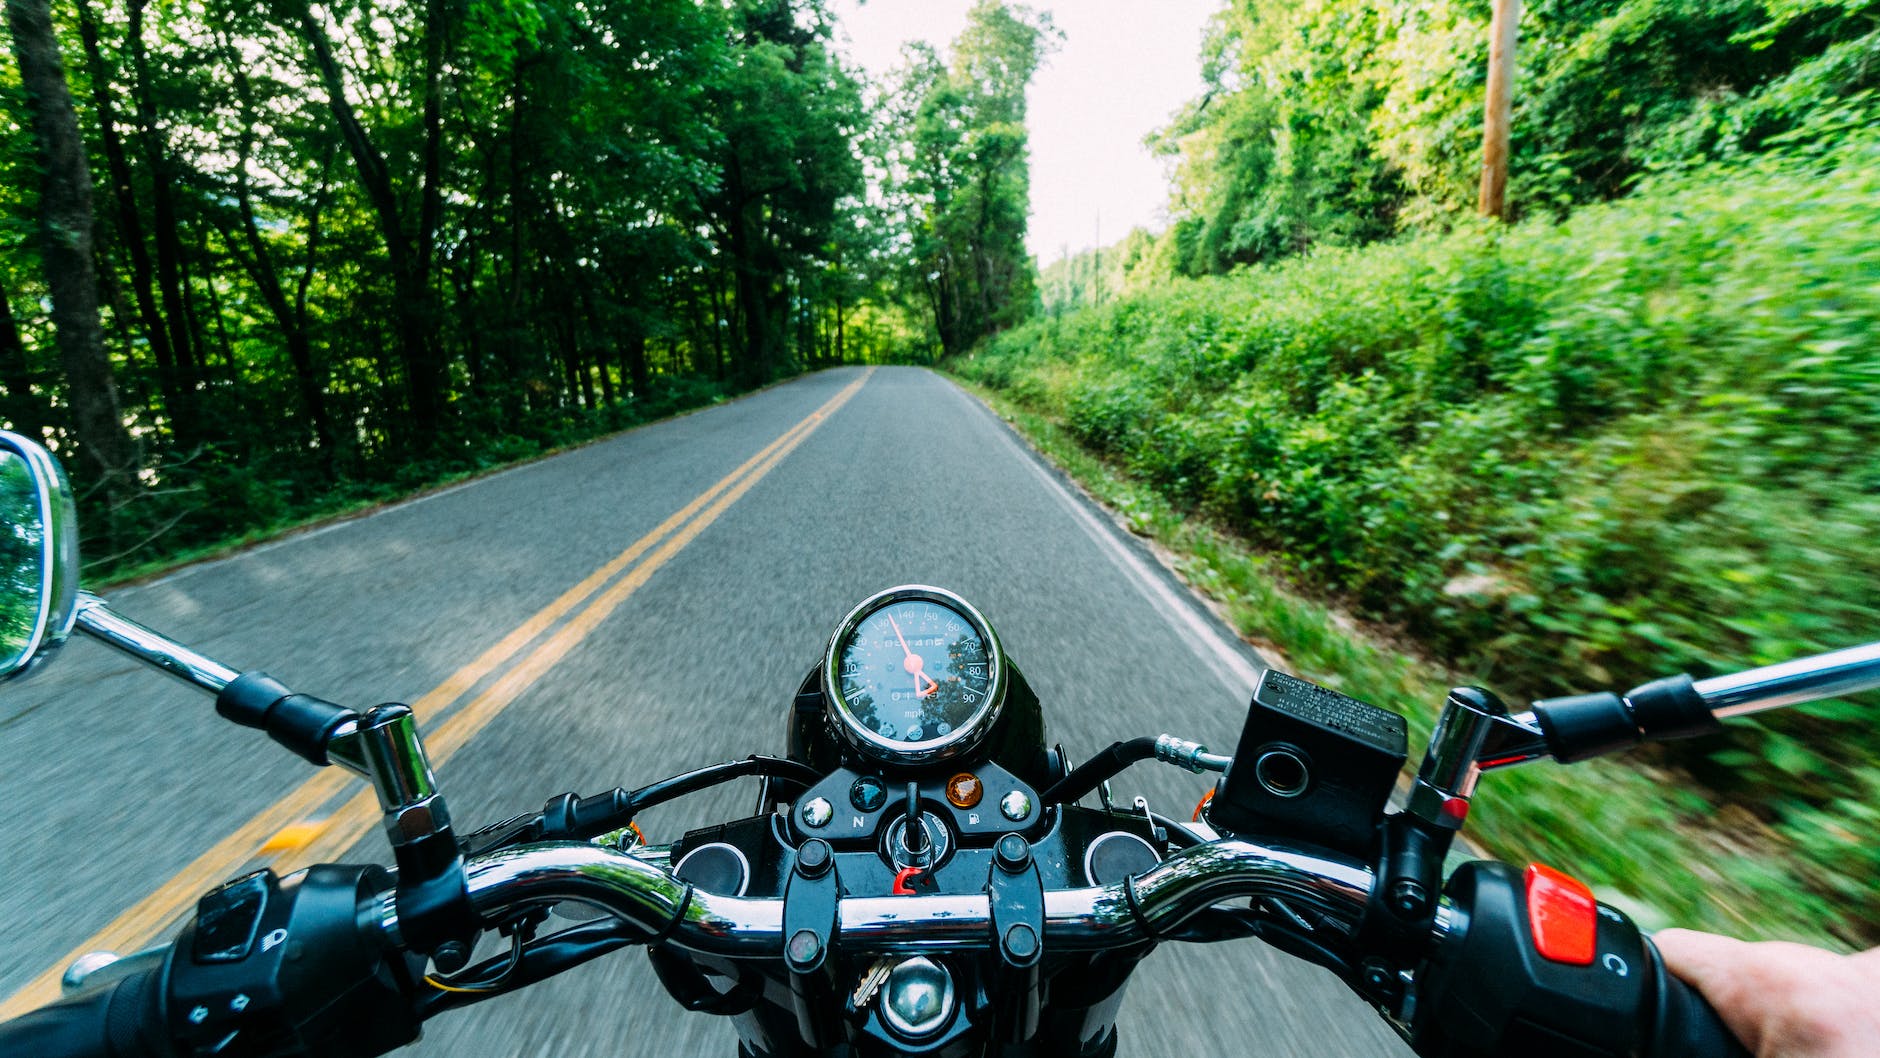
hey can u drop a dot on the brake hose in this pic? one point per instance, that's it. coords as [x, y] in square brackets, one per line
[1099, 769]
[1108, 762]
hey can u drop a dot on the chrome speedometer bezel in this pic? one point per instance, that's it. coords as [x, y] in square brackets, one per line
[961, 739]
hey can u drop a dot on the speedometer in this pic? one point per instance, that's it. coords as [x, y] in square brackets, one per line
[914, 674]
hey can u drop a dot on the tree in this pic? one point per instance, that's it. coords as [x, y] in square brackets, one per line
[103, 444]
[962, 174]
[787, 112]
[352, 244]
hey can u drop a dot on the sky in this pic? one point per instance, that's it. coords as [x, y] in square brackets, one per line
[1123, 68]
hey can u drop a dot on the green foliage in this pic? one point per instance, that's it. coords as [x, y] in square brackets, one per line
[956, 174]
[1338, 122]
[1566, 456]
[349, 248]
[21, 562]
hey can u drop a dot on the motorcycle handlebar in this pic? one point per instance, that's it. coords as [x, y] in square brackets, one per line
[1153, 905]
[1470, 952]
[121, 1019]
[1832, 675]
[1146, 907]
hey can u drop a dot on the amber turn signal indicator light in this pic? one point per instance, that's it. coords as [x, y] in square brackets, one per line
[964, 790]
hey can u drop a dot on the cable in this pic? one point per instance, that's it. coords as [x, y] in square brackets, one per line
[1091, 773]
[509, 968]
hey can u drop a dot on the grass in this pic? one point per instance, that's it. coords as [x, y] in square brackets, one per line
[1626, 825]
[1560, 457]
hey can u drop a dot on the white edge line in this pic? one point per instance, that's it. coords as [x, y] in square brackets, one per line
[1226, 661]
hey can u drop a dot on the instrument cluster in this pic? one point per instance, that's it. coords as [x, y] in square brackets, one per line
[914, 675]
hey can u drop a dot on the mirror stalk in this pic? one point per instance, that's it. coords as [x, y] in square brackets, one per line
[98, 620]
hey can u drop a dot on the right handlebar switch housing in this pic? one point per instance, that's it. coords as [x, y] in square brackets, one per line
[1535, 966]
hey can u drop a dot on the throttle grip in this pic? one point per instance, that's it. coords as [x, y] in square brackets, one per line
[1684, 1022]
[121, 1019]
[1534, 966]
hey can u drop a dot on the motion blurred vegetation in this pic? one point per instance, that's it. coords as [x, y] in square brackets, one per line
[1634, 433]
[1560, 456]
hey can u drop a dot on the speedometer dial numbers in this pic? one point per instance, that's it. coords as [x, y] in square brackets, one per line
[914, 674]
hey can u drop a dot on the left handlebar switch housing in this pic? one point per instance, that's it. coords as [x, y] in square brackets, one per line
[290, 966]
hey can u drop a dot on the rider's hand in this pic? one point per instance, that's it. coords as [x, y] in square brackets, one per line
[1783, 1000]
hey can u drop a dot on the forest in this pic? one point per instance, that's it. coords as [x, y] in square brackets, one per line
[264, 262]
[1631, 430]
[261, 261]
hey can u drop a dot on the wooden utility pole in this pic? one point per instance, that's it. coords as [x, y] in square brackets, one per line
[1502, 33]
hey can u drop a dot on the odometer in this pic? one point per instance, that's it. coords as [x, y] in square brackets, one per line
[914, 674]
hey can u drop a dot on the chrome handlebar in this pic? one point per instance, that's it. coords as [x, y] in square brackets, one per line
[1830, 675]
[1142, 908]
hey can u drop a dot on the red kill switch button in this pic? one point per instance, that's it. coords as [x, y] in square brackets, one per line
[1562, 915]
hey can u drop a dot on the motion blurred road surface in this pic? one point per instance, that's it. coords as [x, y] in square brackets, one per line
[117, 779]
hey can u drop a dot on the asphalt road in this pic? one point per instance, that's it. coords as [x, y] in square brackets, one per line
[115, 779]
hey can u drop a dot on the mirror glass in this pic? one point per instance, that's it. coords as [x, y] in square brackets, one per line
[23, 561]
[38, 554]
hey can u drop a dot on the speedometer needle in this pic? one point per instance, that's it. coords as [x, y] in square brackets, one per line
[913, 662]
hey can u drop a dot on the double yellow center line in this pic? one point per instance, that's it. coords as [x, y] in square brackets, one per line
[282, 836]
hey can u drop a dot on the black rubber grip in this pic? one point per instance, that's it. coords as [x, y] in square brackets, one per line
[123, 1019]
[1585, 726]
[1685, 1025]
[300, 722]
[1671, 708]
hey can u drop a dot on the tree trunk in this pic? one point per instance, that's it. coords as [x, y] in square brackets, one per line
[635, 349]
[221, 330]
[583, 369]
[717, 328]
[515, 386]
[65, 225]
[1498, 105]
[25, 410]
[291, 319]
[424, 375]
[601, 359]
[130, 222]
[434, 369]
[164, 229]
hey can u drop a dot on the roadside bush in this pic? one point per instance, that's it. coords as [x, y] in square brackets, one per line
[1561, 456]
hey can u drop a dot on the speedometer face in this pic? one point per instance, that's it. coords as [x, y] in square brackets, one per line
[915, 671]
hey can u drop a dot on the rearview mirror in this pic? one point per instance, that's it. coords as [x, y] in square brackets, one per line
[38, 555]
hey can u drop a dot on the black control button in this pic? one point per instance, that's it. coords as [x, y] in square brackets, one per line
[867, 794]
[228, 918]
[1012, 853]
[814, 857]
